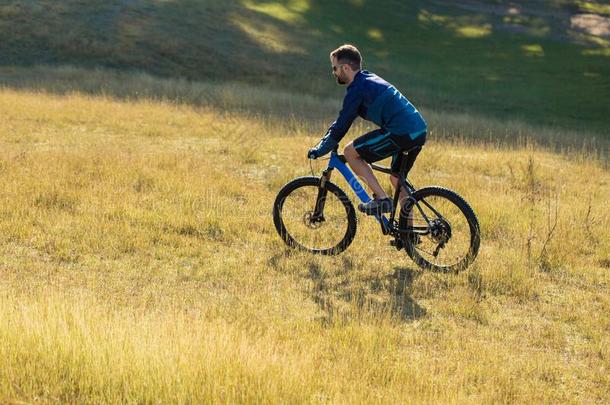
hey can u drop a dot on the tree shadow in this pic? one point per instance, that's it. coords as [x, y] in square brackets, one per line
[441, 56]
[182, 38]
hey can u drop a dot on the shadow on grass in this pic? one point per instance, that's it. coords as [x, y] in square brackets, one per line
[364, 296]
[343, 292]
[454, 59]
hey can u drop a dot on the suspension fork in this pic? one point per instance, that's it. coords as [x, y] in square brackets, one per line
[318, 212]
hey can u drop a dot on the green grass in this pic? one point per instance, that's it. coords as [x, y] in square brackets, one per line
[443, 57]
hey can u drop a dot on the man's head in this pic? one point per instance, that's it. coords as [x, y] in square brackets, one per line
[346, 62]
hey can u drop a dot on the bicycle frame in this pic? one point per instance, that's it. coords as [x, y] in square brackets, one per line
[387, 224]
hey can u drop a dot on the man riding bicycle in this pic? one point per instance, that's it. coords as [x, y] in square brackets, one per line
[369, 96]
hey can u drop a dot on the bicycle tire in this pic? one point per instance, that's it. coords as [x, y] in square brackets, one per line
[310, 181]
[412, 244]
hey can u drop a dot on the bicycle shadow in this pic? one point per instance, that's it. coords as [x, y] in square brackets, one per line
[406, 304]
[345, 292]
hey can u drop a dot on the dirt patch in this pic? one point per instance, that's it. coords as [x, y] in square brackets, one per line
[538, 19]
[592, 24]
[530, 8]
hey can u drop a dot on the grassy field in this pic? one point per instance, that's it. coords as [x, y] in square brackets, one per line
[142, 144]
[307, 113]
[139, 263]
[525, 62]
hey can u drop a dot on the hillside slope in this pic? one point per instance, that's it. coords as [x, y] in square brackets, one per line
[529, 61]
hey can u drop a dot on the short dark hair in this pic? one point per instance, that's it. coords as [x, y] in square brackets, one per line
[348, 54]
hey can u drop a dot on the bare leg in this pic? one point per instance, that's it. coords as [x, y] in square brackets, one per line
[363, 170]
[402, 198]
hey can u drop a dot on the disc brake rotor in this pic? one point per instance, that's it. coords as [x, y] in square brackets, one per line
[440, 231]
[310, 221]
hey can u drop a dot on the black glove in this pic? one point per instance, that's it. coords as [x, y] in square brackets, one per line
[325, 145]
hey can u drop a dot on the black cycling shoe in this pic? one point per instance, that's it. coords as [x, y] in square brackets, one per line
[377, 206]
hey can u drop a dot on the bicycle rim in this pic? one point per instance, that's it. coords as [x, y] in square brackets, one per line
[297, 218]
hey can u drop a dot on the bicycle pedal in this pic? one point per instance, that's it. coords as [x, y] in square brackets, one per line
[370, 213]
[396, 243]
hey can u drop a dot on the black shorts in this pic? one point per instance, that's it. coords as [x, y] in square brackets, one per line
[380, 144]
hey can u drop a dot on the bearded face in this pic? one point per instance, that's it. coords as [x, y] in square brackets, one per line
[338, 71]
[341, 80]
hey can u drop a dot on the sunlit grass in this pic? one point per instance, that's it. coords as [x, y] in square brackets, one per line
[138, 258]
[303, 113]
[594, 7]
[140, 264]
[289, 11]
[375, 34]
[597, 52]
[474, 31]
[266, 35]
[533, 50]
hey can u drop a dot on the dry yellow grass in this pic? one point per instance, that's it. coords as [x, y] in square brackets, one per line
[139, 263]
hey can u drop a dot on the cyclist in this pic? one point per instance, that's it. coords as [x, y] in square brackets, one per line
[372, 98]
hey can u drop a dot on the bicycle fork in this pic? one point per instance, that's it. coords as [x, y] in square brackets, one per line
[318, 212]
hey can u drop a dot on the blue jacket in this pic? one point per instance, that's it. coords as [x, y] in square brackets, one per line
[374, 99]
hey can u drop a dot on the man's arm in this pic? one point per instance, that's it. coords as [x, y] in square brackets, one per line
[338, 129]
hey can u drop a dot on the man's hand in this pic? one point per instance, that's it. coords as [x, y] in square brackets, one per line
[325, 145]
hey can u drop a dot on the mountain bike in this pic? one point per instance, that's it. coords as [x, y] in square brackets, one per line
[435, 226]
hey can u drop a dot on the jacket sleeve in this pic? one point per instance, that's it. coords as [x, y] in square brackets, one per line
[349, 112]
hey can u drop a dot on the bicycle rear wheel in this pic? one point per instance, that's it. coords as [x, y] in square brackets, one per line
[441, 232]
[293, 216]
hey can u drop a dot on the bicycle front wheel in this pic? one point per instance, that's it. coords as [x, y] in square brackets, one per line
[294, 219]
[440, 232]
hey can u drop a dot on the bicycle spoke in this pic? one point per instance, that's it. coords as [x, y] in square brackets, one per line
[452, 226]
[297, 215]
[451, 240]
